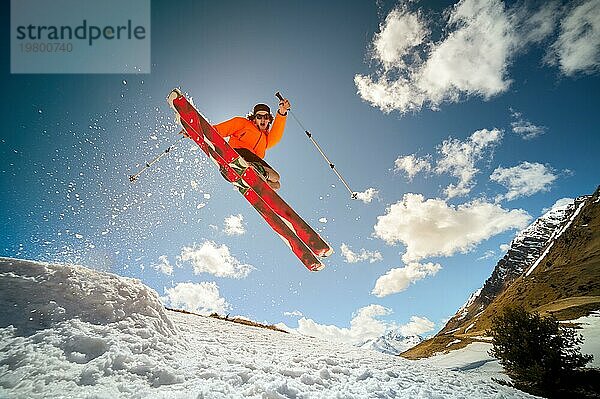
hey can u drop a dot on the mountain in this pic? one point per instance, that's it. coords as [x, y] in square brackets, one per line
[552, 267]
[392, 343]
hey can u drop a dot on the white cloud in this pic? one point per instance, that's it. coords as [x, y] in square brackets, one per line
[455, 157]
[561, 203]
[295, 313]
[364, 255]
[389, 95]
[533, 26]
[363, 326]
[234, 225]
[523, 180]
[458, 158]
[214, 259]
[368, 195]
[434, 228]
[203, 298]
[471, 60]
[417, 326]
[504, 247]
[480, 39]
[398, 279]
[524, 128]
[577, 48]
[163, 265]
[487, 255]
[286, 328]
[400, 32]
[411, 165]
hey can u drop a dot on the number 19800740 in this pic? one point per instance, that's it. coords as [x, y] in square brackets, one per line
[46, 47]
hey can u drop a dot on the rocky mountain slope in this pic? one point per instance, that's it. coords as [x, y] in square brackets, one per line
[552, 267]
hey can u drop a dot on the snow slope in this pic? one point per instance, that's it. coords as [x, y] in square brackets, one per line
[67, 331]
[473, 359]
[590, 331]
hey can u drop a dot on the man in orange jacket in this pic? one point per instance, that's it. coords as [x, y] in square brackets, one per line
[253, 135]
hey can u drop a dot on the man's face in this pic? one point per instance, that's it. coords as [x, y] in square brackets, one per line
[261, 120]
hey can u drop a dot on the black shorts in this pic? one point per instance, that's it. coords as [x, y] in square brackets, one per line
[249, 156]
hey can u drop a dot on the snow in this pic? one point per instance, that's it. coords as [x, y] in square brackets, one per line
[554, 237]
[473, 359]
[590, 330]
[468, 328]
[463, 311]
[571, 220]
[68, 331]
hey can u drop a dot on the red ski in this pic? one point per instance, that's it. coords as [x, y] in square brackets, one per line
[302, 239]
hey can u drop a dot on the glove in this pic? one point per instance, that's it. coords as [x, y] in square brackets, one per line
[284, 106]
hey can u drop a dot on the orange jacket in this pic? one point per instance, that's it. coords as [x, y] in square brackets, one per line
[243, 133]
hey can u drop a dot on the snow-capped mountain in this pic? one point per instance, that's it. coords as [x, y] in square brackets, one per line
[392, 343]
[551, 267]
[525, 249]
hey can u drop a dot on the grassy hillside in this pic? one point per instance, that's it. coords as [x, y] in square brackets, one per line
[565, 284]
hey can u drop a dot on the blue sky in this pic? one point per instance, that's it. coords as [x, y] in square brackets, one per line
[465, 120]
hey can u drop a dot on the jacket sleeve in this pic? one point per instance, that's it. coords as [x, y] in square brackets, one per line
[231, 126]
[276, 131]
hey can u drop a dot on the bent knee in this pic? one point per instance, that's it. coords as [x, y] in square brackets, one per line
[272, 175]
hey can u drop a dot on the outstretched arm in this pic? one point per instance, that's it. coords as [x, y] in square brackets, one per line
[279, 123]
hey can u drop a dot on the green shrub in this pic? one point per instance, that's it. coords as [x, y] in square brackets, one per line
[539, 355]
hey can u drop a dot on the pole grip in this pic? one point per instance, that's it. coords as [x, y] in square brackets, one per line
[279, 96]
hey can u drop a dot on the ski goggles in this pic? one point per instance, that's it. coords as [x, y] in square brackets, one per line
[262, 116]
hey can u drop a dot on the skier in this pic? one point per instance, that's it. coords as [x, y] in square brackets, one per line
[253, 135]
[303, 240]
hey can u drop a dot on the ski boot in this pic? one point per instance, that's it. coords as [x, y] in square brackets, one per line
[260, 169]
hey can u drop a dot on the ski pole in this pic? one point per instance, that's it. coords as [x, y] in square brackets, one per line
[353, 194]
[133, 178]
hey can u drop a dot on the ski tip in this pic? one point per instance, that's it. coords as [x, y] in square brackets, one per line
[327, 253]
[173, 95]
[317, 267]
